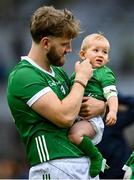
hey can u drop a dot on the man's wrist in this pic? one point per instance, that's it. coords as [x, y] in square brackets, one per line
[80, 82]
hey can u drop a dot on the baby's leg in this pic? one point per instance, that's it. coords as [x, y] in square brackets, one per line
[81, 134]
[79, 129]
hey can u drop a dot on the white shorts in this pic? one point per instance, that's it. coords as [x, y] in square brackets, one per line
[69, 168]
[98, 126]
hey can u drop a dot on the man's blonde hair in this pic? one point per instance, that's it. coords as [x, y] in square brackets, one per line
[48, 21]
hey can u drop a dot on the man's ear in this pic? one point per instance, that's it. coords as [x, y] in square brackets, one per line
[82, 54]
[45, 42]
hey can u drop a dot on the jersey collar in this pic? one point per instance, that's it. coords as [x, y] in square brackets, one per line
[37, 66]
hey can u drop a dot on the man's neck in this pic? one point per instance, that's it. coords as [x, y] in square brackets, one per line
[37, 56]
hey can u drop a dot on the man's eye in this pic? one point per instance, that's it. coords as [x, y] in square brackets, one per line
[65, 44]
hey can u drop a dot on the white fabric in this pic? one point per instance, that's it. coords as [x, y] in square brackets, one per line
[98, 126]
[69, 168]
[128, 174]
[37, 66]
[44, 91]
[110, 91]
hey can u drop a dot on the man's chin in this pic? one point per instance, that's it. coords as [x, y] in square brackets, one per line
[59, 64]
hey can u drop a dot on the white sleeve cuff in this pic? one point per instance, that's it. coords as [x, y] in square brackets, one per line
[110, 91]
[38, 95]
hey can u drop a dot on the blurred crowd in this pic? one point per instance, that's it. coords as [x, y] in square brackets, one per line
[113, 18]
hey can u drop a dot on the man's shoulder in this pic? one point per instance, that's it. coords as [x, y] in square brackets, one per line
[22, 66]
[23, 72]
[24, 69]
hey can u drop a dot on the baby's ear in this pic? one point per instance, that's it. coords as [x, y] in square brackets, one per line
[82, 54]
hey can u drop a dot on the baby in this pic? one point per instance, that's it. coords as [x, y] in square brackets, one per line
[87, 133]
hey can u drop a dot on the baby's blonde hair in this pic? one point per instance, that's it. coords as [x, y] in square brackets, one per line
[94, 36]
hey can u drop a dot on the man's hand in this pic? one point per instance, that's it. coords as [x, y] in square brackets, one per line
[91, 107]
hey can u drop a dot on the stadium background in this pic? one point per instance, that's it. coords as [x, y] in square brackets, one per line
[115, 18]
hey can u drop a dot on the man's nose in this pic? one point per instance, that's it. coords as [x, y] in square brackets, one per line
[69, 48]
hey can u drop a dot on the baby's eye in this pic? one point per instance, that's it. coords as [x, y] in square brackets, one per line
[105, 52]
[95, 50]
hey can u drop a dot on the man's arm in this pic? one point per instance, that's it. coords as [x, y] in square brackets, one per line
[63, 113]
[92, 107]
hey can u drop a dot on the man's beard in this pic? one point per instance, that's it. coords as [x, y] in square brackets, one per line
[54, 58]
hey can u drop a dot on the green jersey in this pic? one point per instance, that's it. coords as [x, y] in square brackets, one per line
[101, 85]
[43, 140]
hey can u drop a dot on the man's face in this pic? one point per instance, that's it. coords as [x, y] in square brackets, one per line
[57, 51]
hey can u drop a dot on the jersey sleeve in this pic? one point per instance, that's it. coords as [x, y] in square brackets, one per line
[108, 82]
[29, 85]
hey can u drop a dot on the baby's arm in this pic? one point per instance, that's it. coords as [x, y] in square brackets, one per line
[113, 108]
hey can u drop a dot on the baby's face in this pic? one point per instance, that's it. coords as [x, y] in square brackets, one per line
[97, 51]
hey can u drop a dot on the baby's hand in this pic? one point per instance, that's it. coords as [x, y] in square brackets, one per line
[111, 118]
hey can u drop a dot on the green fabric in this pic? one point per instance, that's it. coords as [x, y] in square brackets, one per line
[129, 167]
[43, 140]
[130, 160]
[93, 153]
[132, 168]
[101, 78]
[129, 174]
[88, 147]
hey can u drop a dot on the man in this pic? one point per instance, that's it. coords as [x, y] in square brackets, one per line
[41, 102]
